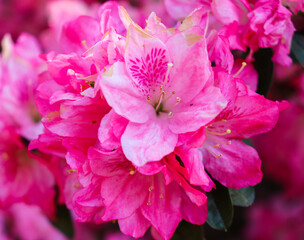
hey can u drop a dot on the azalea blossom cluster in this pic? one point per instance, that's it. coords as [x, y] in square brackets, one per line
[134, 121]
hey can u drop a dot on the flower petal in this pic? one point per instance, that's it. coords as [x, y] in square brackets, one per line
[150, 141]
[239, 165]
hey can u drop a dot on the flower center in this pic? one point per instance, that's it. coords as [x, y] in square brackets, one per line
[163, 103]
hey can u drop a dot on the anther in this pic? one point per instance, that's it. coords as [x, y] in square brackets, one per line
[69, 171]
[178, 99]
[132, 171]
[170, 114]
[170, 65]
[148, 98]
[70, 72]
[151, 188]
[161, 195]
[240, 70]
[84, 43]
[160, 100]
[214, 146]
[77, 186]
[228, 131]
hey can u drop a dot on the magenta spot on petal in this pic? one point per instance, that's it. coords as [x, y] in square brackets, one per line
[149, 72]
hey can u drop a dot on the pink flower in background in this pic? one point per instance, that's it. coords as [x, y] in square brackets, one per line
[24, 177]
[28, 222]
[179, 9]
[22, 16]
[279, 218]
[20, 65]
[294, 5]
[272, 27]
[283, 160]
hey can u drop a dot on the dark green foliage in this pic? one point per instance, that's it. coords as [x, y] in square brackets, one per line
[264, 67]
[243, 197]
[220, 209]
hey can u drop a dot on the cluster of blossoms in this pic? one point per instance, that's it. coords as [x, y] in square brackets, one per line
[134, 122]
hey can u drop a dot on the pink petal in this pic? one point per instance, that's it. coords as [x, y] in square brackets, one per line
[164, 209]
[151, 141]
[136, 225]
[192, 213]
[147, 61]
[191, 66]
[127, 196]
[122, 96]
[239, 165]
[193, 162]
[249, 116]
[199, 112]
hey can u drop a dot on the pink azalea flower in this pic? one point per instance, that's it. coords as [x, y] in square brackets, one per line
[59, 13]
[271, 25]
[149, 198]
[179, 9]
[294, 5]
[28, 223]
[283, 161]
[22, 16]
[226, 157]
[24, 177]
[153, 91]
[20, 65]
[279, 218]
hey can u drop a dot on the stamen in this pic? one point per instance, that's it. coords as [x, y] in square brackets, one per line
[217, 140]
[150, 190]
[213, 154]
[162, 95]
[177, 102]
[132, 171]
[214, 146]
[77, 186]
[161, 195]
[228, 131]
[240, 70]
[172, 93]
[69, 171]
[70, 72]
[170, 65]
[148, 98]
[170, 114]
[84, 43]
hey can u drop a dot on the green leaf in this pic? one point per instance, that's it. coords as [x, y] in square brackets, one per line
[220, 209]
[63, 221]
[186, 230]
[297, 47]
[243, 197]
[264, 66]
